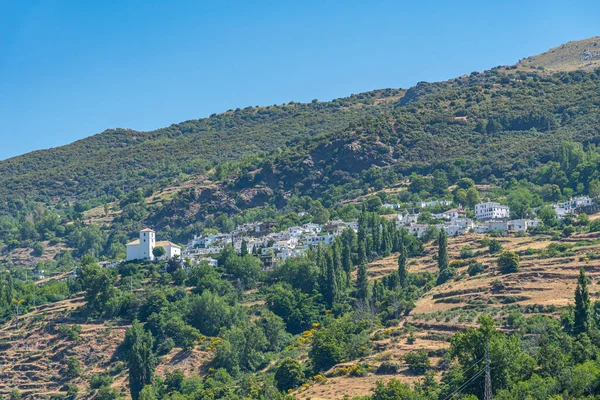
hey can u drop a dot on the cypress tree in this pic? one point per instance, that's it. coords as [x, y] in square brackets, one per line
[402, 274]
[443, 251]
[244, 248]
[376, 235]
[362, 282]
[378, 290]
[331, 281]
[338, 266]
[445, 272]
[141, 360]
[347, 258]
[8, 289]
[582, 304]
[362, 254]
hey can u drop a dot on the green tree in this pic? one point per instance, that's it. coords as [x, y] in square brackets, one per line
[417, 361]
[289, 374]
[393, 390]
[508, 262]
[473, 197]
[73, 367]
[244, 248]
[362, 282]
[440, 182]
[402, 271]
[465, 183]
[509, 362]
[445, 271]
[494, 246]
[582, 304]
[38, 249]
[548, 216]
[158, 251]
[460, 197]
[140, 361]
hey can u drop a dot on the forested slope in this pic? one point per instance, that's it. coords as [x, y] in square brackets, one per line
[118, 159]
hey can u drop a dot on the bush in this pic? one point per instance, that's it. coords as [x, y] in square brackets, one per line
[508, 262]
[73, 367]
[568, 230]
[165, 346]
[494, 246]
[388, 368]
[99, 381]
[38, 249]
[595, 226]
[466, 252]
[417, 361]
[70, 332]
[475, 269]
[289, 375]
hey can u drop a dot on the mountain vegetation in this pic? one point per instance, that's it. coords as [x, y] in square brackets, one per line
[409, 317]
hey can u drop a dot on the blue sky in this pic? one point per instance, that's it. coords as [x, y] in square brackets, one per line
[70, 69]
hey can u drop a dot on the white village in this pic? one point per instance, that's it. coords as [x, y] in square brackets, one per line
[274, 247]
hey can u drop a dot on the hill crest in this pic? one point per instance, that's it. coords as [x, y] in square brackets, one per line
[571, 56]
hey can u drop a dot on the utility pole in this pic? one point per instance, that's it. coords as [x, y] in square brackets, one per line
[488, 375]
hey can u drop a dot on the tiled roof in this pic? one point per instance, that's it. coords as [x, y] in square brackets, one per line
[166, 243]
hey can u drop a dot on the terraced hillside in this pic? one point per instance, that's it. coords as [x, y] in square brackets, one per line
[35, 354]
[544, 284]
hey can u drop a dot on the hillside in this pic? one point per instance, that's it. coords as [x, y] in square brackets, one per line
[34, 349]
[120, 159]
[325, 291]
[571, 56]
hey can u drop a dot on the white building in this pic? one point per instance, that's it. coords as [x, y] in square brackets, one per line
[141, 249]
[491, 210]
[404, 220]
[450, 214]
[571, 206]
[434, 203]
[417, 229]
[490, 226]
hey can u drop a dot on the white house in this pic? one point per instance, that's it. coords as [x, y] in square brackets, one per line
[417, 229]
[450, 214]
[490, 226]
[434, 203]
[491, 210]
[403, 220]
[141, 249]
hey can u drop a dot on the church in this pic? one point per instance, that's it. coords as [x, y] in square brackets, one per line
[141, 249]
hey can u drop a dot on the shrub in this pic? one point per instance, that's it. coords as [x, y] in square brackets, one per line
[70, 332]
[595, 226]
[289, 375]
[73, 367]
[387, 368]
[98, 381]
[508, 262]
[417, 361]
[475, 269]
[165, 346]
[494, 246]
[466, 252]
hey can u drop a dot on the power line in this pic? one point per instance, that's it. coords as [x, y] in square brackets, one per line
[470, 380]
[488, 376]
[477, 375]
